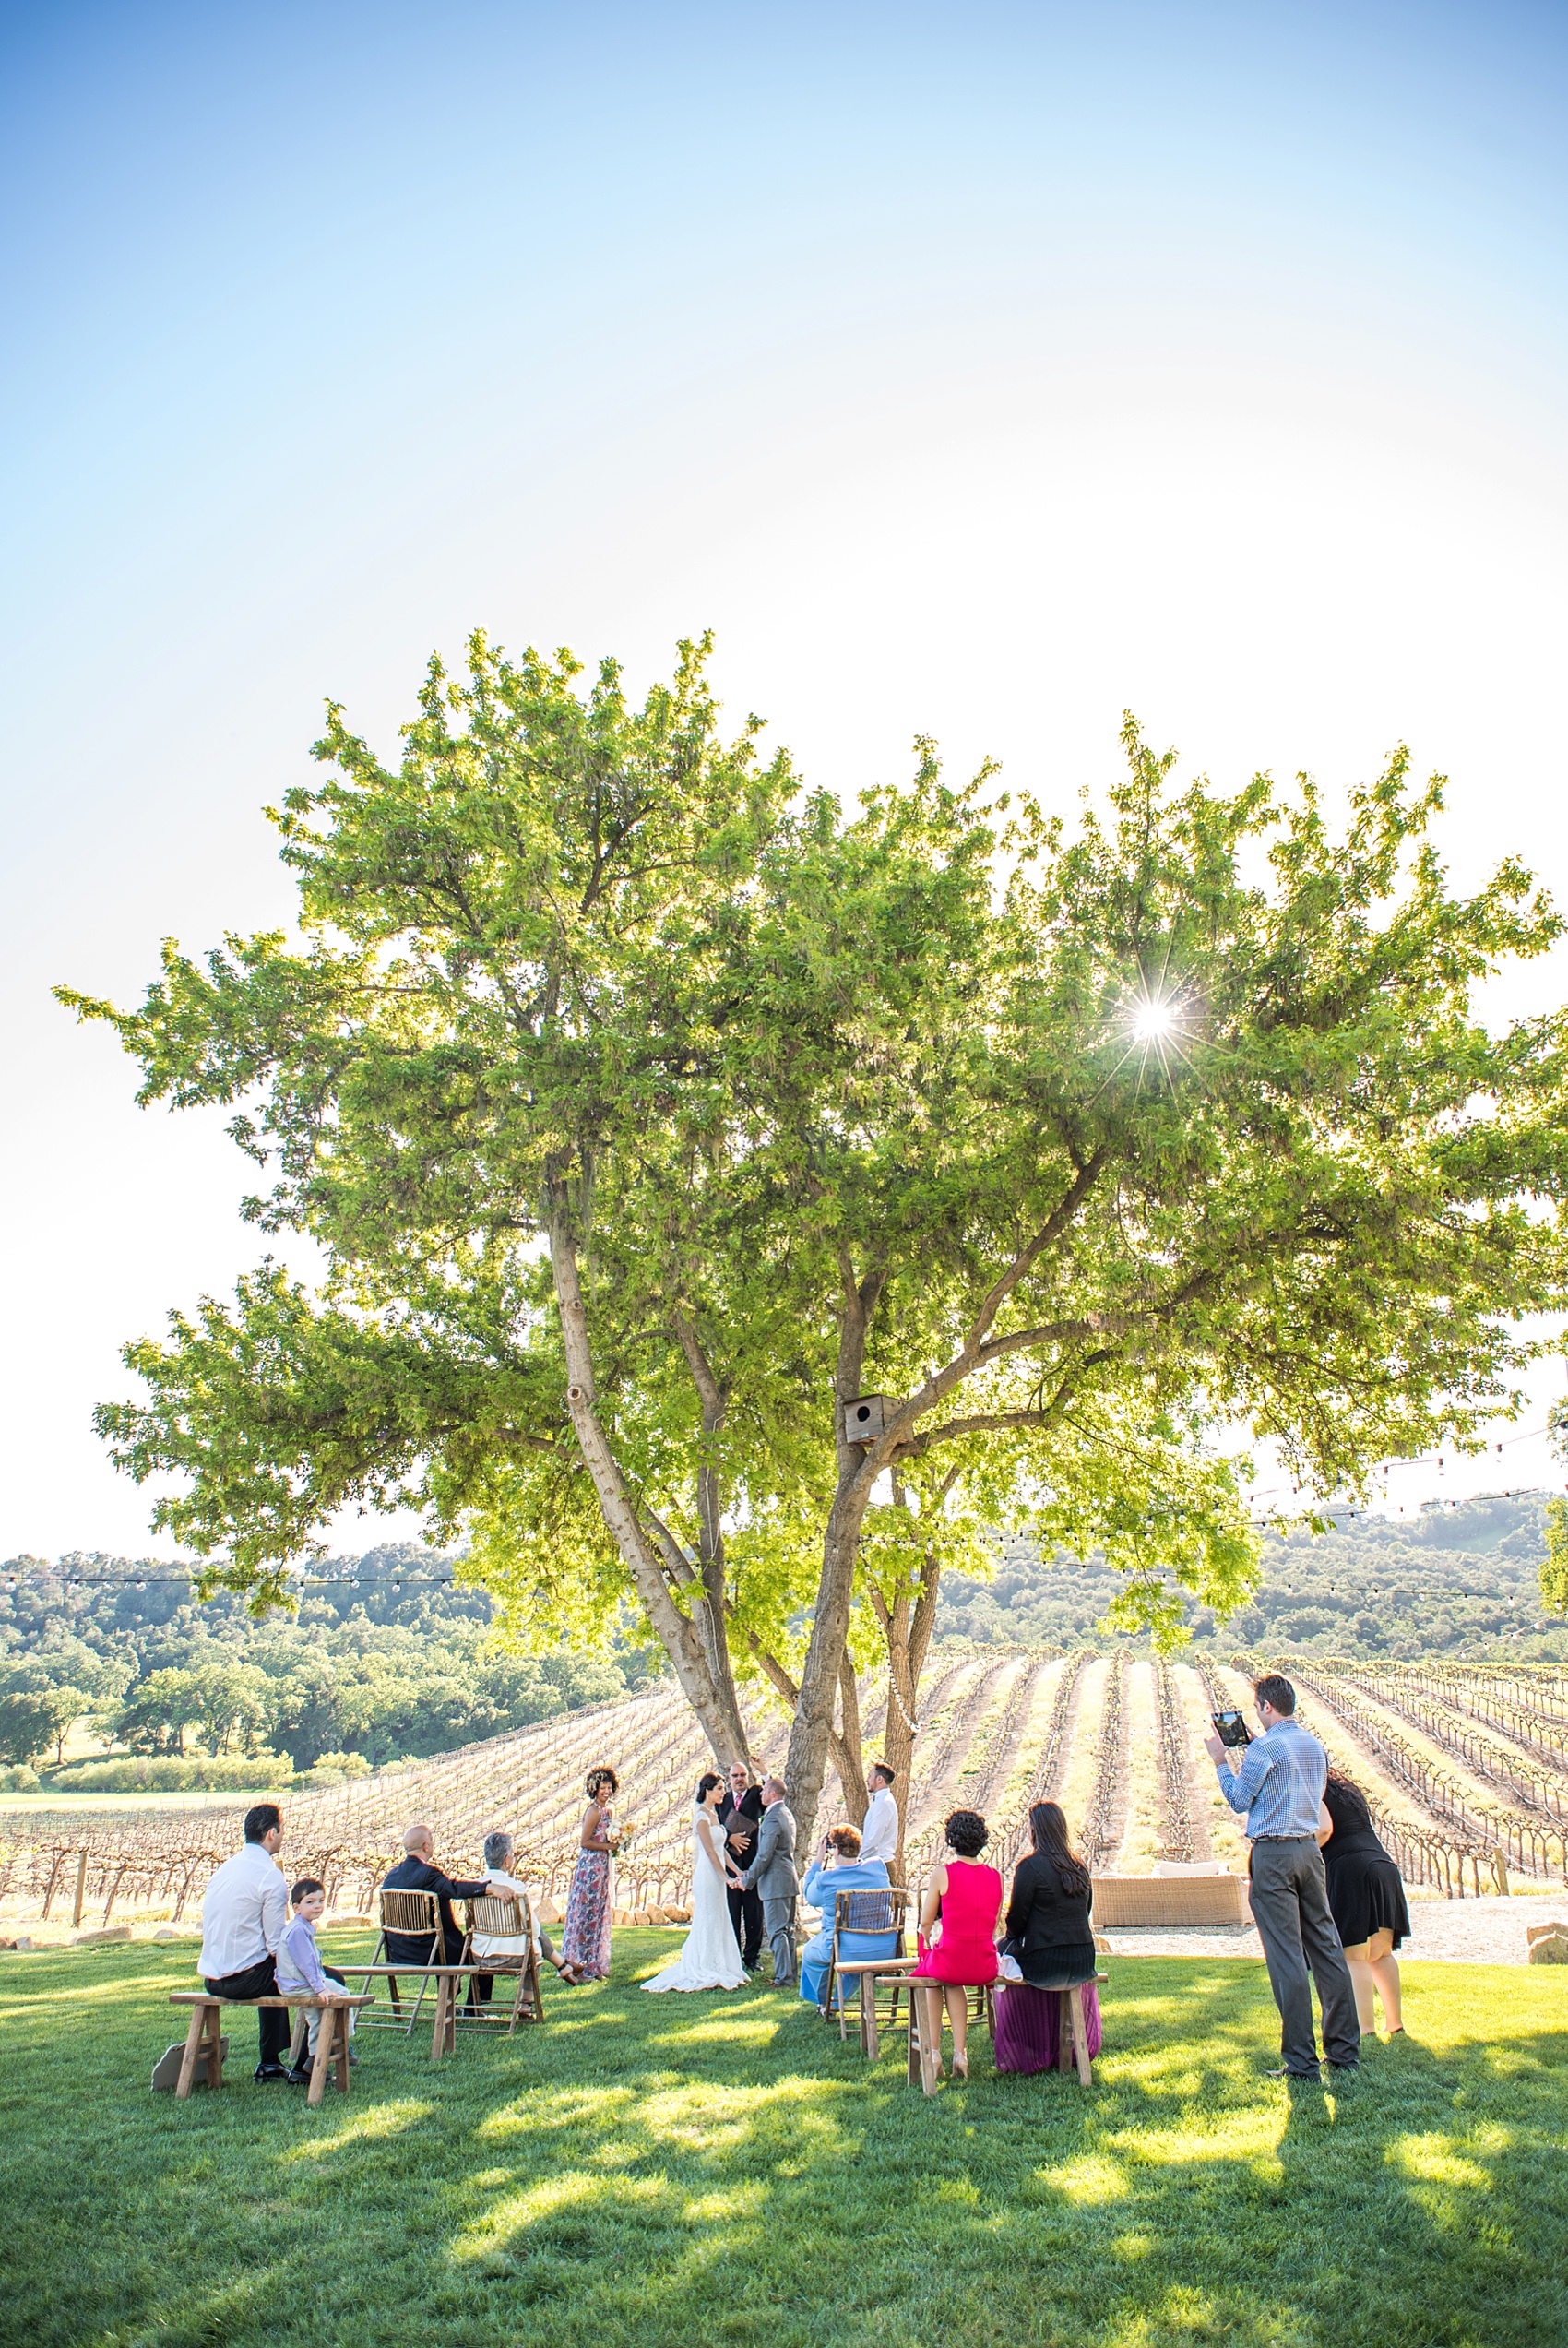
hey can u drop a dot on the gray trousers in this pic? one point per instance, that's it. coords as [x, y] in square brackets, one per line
[778, 1923]
[1290, 1896]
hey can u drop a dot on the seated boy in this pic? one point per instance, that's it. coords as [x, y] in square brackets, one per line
[300, 1967]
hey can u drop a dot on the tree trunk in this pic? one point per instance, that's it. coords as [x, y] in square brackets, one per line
[713, 1568]
[812, 1727]
[852, 1764]
[908, 1627]
[675, 1632]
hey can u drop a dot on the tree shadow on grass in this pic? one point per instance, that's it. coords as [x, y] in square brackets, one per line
[644, 2173]
[1187, 2196]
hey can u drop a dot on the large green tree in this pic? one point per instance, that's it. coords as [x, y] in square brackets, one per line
[609, 1063]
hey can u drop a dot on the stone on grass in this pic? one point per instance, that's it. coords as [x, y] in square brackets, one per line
[166, 2071]
[1548, 1944]
[107, 1932]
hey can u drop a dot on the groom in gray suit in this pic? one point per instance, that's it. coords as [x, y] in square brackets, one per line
[772, 1873]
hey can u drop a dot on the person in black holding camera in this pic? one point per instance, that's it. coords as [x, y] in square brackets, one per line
[739, 1814]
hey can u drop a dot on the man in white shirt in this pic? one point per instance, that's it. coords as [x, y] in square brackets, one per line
[879, 1835]
[507, 1954]
[243, 1917]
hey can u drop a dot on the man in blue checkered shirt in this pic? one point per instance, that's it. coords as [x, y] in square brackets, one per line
[1278, 1790]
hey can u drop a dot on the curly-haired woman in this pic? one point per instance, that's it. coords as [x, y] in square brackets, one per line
[585, 1943]
[968, 1897]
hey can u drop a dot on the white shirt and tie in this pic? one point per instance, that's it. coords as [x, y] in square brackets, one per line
[243, 1916]
[879, 1835]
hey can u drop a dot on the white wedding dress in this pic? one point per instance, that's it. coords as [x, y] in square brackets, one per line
[710, 1955]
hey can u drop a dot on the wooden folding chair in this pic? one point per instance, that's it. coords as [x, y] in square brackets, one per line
[874, 1912]
[411, 1915]
[503, 1915]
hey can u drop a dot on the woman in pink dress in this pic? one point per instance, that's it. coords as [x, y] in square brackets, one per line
[968, 1898]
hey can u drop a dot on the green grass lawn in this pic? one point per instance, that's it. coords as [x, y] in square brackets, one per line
[655, 2170]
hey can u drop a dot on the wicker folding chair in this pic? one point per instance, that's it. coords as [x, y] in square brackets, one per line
[858, 1914]
[412, 1916]
[501, 1915]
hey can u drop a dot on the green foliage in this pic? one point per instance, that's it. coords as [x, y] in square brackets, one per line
[31, 1719]
[1554, 1565]
[336, 1688]
[731, 2171]
[165, 1773]
[43, 1696]
[797, 1099]
[1438, 1582]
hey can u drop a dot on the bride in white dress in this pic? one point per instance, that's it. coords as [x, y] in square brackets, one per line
[710, 1956]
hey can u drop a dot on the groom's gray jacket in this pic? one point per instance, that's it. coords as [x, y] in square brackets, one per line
[772, 1872]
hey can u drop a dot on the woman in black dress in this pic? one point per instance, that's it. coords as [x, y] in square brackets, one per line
[1366, 1899]
[1049, 1933]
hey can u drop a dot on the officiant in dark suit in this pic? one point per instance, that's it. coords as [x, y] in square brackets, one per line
[738, 1815]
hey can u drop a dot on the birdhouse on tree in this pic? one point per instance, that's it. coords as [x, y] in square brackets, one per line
[866, 1417]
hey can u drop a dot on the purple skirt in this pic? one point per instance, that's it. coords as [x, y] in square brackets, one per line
[1027, 2026]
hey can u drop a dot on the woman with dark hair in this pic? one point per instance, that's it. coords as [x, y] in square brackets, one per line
[1049, 1936]
[710, 1954]
[585, 1942]
[1366, 1899]
[968, 1898]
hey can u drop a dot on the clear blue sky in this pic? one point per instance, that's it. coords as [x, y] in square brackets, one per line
[975, 370]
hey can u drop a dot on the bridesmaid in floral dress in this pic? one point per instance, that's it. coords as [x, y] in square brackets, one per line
[585, 1944]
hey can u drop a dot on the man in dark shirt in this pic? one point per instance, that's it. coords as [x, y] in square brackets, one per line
[418, 1871]
[738, 1815]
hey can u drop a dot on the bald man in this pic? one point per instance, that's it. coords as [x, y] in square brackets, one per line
[419, 1872]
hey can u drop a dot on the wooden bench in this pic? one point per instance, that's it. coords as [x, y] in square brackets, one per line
[926, 2006]
[1072, 2030]
[204, 2040]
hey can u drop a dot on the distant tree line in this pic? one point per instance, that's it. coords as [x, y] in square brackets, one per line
[1434, 1582]
[403, 1664]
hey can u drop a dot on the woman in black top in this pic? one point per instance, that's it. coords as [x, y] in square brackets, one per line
[1366, 1899]
[1048, 1916]
[1049, 1935]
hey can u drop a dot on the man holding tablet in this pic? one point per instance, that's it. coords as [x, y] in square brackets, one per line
[1278, 1788]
